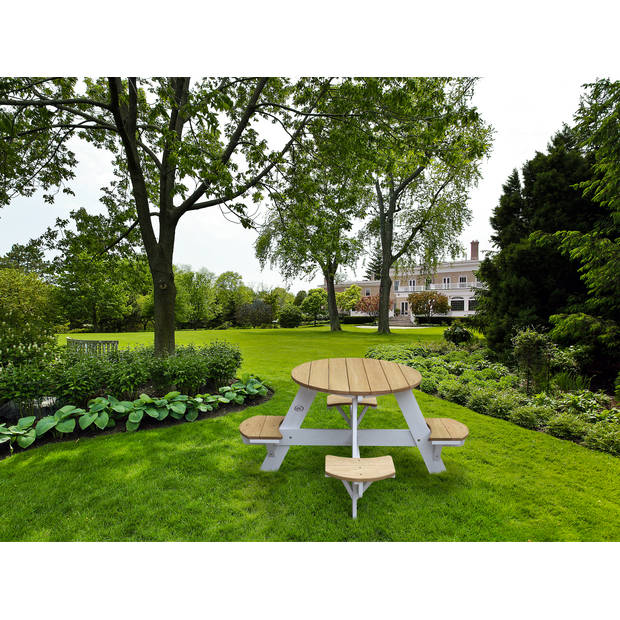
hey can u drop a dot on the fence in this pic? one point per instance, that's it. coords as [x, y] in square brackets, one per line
[92, 347]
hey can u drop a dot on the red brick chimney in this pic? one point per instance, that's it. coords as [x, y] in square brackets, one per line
[474, 250]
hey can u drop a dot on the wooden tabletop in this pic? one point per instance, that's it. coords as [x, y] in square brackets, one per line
[354, 375]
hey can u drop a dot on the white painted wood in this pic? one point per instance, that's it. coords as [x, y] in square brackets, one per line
[294, 418]
[355, 446]
[419, 429]
[344, 415]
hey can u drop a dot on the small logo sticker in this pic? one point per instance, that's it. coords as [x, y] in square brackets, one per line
[299, 408]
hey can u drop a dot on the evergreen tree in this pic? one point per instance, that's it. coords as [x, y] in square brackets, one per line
[373, 269]
[528, 281]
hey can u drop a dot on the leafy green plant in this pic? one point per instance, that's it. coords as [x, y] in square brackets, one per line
[531, 416]
[457, 334]
[604, 436]
[567, 426]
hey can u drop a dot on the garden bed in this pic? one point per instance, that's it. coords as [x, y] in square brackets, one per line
[466, 376]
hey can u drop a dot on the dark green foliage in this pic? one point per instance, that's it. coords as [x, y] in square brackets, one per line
[604, 437]
[104, 413]
[469, 377]
[290, 316]
[566, 426]
[531, 416]
[373, 269]
[254, 314]
[356, 320]
[526, 281]
[457, 334]
[76, 378]
[532, 351]
[598, 340]
[301, 295]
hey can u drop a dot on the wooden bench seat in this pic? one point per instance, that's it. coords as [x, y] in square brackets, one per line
[262, 427]
[335, 400]
[446, 429]
[359, 470]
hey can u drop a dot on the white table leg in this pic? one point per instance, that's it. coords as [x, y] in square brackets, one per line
[293, 421]
[420, 431]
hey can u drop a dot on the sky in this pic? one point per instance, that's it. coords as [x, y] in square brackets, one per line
[525, 111]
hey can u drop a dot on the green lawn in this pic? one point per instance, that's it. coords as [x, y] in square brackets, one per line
[198, 481]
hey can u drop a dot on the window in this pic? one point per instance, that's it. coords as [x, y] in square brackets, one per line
[367, 292]
[472, 304]
[462, 281]
[412, 283]
[396, 284]
[457, 304]
[446, 282]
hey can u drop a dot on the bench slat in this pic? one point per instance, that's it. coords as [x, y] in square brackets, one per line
[359, 470]
[336, 399]
[446, 429]
[262, 427]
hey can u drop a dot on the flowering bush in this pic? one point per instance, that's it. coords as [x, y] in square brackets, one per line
[26, 318]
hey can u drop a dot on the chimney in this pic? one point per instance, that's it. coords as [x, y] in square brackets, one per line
[474, 250]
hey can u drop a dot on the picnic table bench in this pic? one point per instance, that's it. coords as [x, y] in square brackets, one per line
[92, 347]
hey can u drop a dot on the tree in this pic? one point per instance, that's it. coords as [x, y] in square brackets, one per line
[230, 293]
[29, 258]
[423, 162]
[301, 295]
[277, 298]
[527, 280]
[177, 147]
[315, 303]
[254, 314]
[349, 298]
[200, 296]
[27, 314]
[428, 303]
[369, 305]
[373, 269]
[314, 203]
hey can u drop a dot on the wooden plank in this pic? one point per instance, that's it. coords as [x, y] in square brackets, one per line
[252, 427]
[412, 376]
[301, 373]
[319, 375]
[378, 384]
[338, 377]
[337, 399]
[358, 381]
[359, 470]
[394, 375]
[446, 429]
[271, 427]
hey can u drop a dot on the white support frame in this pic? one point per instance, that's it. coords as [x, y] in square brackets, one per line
[418, 433]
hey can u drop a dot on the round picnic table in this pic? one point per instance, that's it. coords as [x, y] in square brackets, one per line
[356, 378]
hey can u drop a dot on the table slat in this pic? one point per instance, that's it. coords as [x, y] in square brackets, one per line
[358, 381]
[412, 376]
[301, 373]
[319, 375]
[376, 377]
[394, 375]
[338, 378]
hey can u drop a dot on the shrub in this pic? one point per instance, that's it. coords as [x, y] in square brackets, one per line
[429, 385]
[531, 416]
[480, 399]
[454, 391]
[254, 314]
[26, 318]
[457, 334]
[533, 352]
[604, 436]
[357, 320]
[290, 316]
[503, 404]
[566, 426]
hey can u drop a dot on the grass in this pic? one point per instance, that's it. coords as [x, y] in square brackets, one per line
[198, 481]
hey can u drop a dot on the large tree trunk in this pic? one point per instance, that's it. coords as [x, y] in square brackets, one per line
[334, 319]
[164, 295]
[384, 298]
